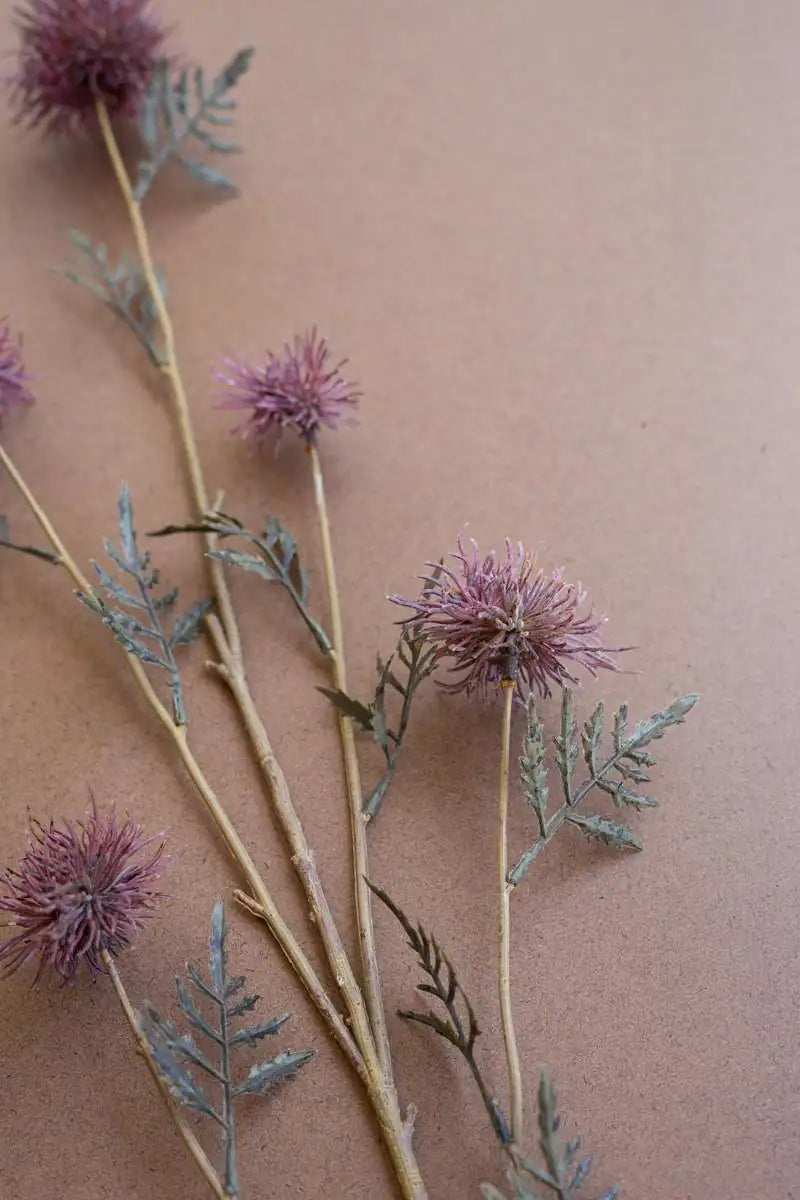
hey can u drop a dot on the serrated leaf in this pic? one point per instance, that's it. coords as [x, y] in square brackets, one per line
[217, 958]
[581, 1174]
[248, 562]
[351, 708]
[177, 1077]
[166, 602]
[253, 1033]
[435, 1023]
[592, 736]
[171, 115]
[566, 744]
[193, 1014]
[622, 795]
[533, 772]
[207, 174]
[277, 560]
[189, 625]
[264, 1077]
[235, 985]
[655, 726]
[610, 832]
[246, 1004]
[630, 771]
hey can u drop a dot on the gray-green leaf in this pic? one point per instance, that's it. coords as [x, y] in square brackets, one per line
[605, 830]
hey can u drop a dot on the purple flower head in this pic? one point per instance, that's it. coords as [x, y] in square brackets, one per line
[297, 389]
[497, 619]
[75, 52]
[79, 889]
[14, 379]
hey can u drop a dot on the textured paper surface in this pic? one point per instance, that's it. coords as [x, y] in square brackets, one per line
[559, 243]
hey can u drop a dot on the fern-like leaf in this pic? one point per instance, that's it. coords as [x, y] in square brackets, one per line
[459, 1025]
[134, 612]
[532, 768]
[276, 559]
[181, 111]
[562, 1174]
[402, 673]
[177, 1055]
[122, 287]
[628, 763]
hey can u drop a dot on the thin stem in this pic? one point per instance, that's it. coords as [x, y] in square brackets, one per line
[383, 1098]
[191, 1143]
[366, 928]
[170, 368]
[224, 630]
[280, 930]
[64, 558]
[397, 1131]
[504, 976]
[301, 854]
[376, 1077]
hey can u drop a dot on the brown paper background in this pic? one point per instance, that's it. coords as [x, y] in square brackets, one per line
[559, 242]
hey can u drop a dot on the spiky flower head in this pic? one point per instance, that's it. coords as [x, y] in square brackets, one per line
[81, 888]
[498, 618]
[297, 389]
[14, 379]
[75, 52]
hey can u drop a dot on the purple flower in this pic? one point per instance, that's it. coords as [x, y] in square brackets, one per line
[75, 52]
[80, 889]
[497, 619]
[297, 389]
[14, 379]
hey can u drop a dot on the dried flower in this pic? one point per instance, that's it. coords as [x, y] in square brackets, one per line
[80, 889]
[14, 379]
[497, 619]
[76, 52]
[294, 390]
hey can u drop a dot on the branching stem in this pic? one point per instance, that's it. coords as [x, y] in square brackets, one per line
[238, 851]
[360, 1046]
[191, 1143]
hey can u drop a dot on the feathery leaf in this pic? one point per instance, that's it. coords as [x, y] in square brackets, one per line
[176, 1053]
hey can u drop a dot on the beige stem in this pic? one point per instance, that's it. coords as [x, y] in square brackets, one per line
[171, 370]
[504, 976]
[225, 633]
[366, 928]
[280, 930]
[191, 1143]
[397, 1131]
[301, 854]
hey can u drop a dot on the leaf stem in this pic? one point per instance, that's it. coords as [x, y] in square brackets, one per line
[504, 974]
[170, 368]
[301, 853]
[191, 1143]
[366, 927]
